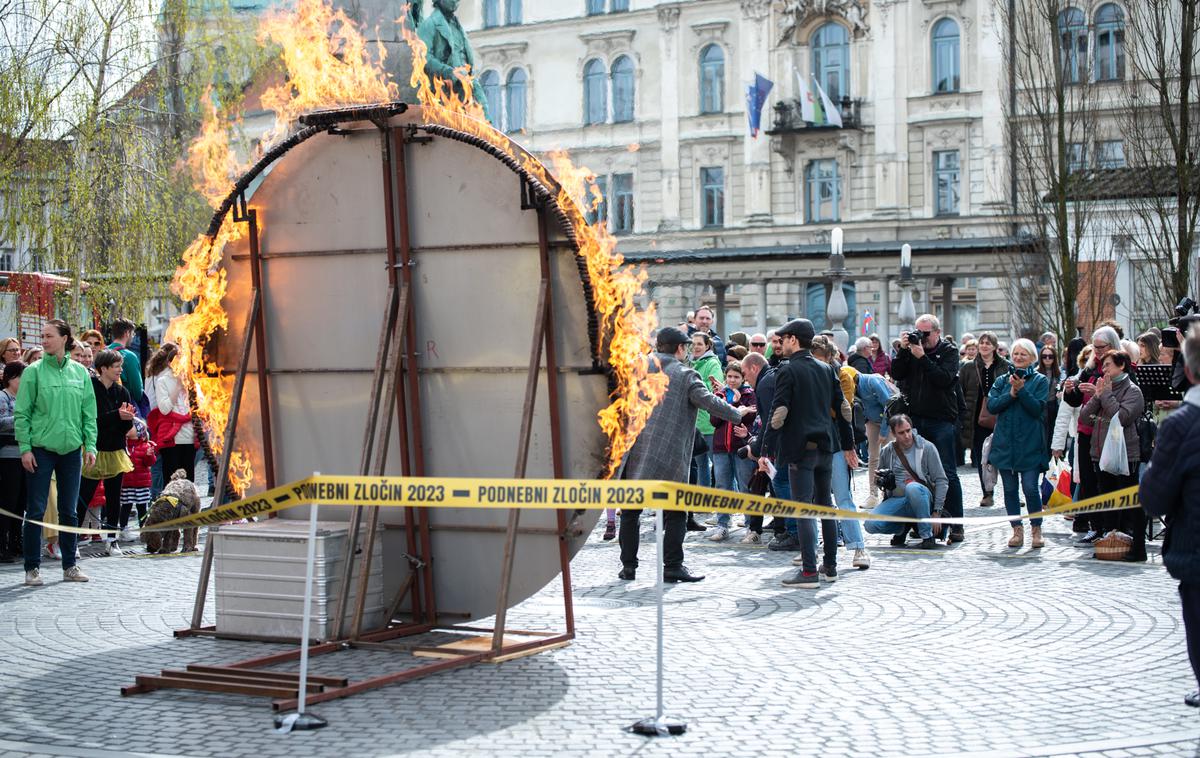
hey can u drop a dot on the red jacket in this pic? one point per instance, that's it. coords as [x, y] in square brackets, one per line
[143, 454]
[98, 498]
[724, 440]
[164, 427]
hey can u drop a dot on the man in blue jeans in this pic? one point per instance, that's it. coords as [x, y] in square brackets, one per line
[927, 371]
[804, 427]
[921, 484]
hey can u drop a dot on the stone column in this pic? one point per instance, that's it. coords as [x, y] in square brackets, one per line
[948, 326]
[755, 56]
[889, 73]
[668, 51]
[884, 317]
[719, 319]
[760, 312]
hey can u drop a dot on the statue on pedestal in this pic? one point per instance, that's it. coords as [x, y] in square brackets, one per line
[448, 47]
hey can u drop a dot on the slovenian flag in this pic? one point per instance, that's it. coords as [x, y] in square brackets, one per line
[868, 323]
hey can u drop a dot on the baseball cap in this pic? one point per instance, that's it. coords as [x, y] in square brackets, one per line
[669, 338]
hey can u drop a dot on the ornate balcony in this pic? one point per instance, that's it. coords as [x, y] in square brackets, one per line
[788, 121]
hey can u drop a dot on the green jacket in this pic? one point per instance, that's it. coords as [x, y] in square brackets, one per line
[131, 371]
[707, 365]
[56, 408]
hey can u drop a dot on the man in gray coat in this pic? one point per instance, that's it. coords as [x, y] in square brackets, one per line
[664, 450]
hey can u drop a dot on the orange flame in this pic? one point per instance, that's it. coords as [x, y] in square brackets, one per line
[329, 64]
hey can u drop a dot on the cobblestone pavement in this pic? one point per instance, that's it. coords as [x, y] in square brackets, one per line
[975, 649]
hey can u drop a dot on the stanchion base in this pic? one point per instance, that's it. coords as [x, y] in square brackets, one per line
[298, 722]
[655, 727]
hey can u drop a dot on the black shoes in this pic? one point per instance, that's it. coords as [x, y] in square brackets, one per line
[956, 534]
[610, 532]
[692, 526]
[898, 540]
[786, 542]
[1192, 699]
[681, 574]
[930, 543]
[627, 574]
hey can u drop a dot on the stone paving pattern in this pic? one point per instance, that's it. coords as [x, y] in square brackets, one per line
[975, 649]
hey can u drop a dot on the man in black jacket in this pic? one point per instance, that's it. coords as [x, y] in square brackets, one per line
[803, 428]
[927, 371]
[1171, 488]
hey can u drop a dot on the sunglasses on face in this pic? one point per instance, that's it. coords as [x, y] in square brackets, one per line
[758, 344]
[1047, 357]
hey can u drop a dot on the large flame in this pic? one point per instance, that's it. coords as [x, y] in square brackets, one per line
[328, 64]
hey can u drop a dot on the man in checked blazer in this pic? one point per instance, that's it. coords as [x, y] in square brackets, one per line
[664, 451]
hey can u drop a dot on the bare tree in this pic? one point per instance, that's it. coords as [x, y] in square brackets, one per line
[1051, 120]
[1161, 129]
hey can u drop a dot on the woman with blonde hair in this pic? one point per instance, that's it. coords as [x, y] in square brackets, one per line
[33, 354]
[10, 350]
[1019, 453]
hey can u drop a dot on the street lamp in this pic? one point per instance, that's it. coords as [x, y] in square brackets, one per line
[837, 273]
[907, 313]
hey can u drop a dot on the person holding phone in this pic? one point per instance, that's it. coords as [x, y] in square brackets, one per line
[114, 419]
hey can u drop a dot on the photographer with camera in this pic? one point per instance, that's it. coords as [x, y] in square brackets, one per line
[913, 482]
[1019, 449]
[1171, 490]
[926, 368]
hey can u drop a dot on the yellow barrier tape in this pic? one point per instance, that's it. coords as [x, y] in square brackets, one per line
[554, 494]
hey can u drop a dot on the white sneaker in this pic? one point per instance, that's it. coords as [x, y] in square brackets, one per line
[33, 578]
[862, 559]
[798, 559]
[113, 549]
[752, 538]
[719, 534]
[126, 535]
[873, 500]
[73, 574]
[55, 552]
[711, 521]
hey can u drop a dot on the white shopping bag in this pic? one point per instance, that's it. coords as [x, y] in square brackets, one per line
[989, 474]
[1114, 457]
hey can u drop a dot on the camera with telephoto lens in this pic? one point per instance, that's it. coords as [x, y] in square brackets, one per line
[885, 479]
[1187, 312]
[917, 337]
[744, 452]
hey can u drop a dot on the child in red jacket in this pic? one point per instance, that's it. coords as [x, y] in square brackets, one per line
[135, 486]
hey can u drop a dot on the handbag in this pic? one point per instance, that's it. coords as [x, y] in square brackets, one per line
[894, 407]
[988, 474]
[760, 483]
[1147, 432]
[1114, 456]
[987, 419]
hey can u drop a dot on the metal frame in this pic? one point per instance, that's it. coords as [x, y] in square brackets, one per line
[397, 350]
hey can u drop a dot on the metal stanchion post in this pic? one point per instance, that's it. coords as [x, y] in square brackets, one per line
[660, 725]
[301, 720]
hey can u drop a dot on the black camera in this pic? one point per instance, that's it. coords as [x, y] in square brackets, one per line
[1024, 373]
[744, 452]
[917, 337]
[885, 479]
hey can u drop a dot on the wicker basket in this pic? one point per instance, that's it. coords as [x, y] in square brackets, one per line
[1113, 546]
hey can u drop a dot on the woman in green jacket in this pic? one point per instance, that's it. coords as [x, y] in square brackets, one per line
[54, 420]
[708, 365]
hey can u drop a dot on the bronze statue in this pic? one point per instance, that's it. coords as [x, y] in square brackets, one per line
[448, 48]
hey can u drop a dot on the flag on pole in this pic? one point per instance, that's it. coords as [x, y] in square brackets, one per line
[805, 96]
[868, 323]
[756, 98]
[832, 115]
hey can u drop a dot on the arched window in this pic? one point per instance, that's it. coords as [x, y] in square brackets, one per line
[1072, 44]
[945, 56]
[489, 82]
[491, 13]
[622, 89]
[514, 100]
[1110, 43]
[712, 79]
[595, 93]
[831, 60]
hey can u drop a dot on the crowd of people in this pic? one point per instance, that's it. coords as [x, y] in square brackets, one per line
[85, 438]
[789, 413]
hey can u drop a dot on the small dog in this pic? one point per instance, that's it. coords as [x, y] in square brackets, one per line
[179, 498]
